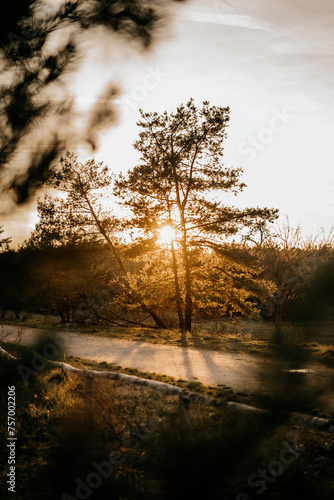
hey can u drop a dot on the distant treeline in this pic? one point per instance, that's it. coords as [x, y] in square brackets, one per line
[83, 283]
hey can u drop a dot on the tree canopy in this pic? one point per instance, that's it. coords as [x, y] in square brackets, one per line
[79, 217]
[72, 216]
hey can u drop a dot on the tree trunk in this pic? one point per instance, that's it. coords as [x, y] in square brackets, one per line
[188, 302]
[188, 312]
[119, 260]
[155, 317]
[68, 318]
[278, 334]
[60, 312]
[178, 299]
[188, 309]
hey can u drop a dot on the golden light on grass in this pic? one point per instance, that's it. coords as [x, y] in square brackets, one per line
[166, 234]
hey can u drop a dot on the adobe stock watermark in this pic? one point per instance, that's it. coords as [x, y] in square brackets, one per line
[152, 79]
[280, 120]
[265, 477]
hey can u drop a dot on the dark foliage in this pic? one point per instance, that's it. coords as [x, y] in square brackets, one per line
[317, 301]
[70, 281]
[35, 60]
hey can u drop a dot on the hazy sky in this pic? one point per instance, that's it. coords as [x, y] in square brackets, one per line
[271, 61]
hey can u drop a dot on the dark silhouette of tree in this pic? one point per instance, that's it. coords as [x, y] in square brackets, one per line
[15, 283]
[317, 302]
[69, 278]
[40, 45]
[4, 242]
[291, 263]
[179, 182]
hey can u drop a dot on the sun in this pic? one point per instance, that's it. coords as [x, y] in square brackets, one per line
[166, 234]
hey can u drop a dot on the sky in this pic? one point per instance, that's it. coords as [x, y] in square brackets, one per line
[270, 61]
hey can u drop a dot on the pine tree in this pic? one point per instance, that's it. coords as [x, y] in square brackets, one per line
[79, 217]
[180, 182]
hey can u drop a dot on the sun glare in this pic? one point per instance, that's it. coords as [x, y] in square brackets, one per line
[166, 234]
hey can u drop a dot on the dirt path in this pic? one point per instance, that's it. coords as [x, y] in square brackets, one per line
[241, 372]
